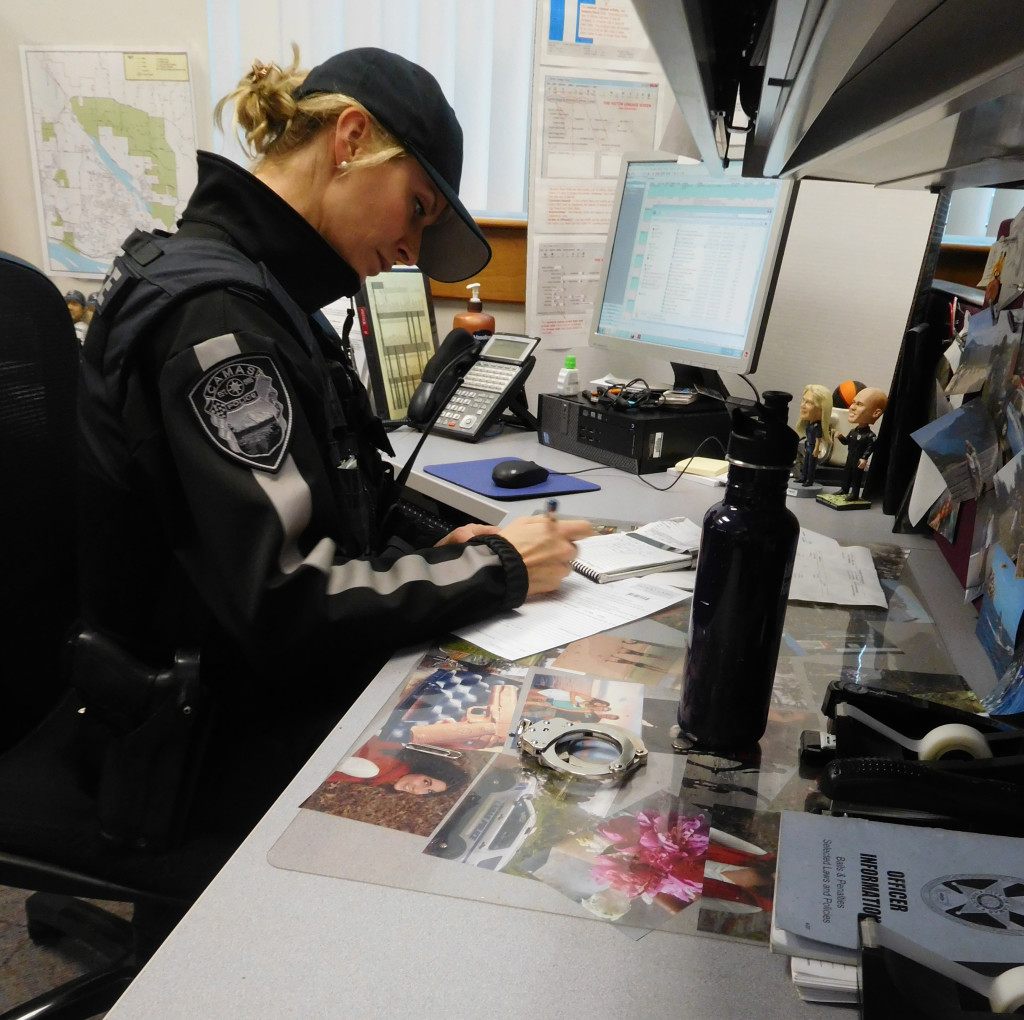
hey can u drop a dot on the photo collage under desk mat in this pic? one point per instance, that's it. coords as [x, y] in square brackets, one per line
[435, 797]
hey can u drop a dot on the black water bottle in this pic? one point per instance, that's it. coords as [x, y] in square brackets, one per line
[747, 549]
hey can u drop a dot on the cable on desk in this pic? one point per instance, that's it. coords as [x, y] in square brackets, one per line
[700, 446]
[657, 488]
[714, 439]
[582, 471]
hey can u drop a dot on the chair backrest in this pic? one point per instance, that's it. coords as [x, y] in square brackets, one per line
[39, 355]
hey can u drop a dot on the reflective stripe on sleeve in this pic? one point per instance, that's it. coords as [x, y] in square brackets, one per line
[408, 569]
[216, 349]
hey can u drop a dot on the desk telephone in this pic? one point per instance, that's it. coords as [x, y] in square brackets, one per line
[487, 375]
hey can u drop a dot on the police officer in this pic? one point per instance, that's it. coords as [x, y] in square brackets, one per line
[232, 483]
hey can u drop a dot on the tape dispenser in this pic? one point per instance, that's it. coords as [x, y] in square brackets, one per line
[902, 980]
[887, 724]
[893, 757]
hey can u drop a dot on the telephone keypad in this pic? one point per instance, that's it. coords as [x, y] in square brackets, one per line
[481, 388]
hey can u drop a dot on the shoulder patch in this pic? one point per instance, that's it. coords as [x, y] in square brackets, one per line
[245, 410]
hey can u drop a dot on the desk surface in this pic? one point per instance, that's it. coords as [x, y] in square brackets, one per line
[264, 942]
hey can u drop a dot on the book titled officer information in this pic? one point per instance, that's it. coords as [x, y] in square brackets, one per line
[960, 894]
[664, 545]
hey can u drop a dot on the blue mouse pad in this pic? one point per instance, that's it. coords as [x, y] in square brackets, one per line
[475, 475]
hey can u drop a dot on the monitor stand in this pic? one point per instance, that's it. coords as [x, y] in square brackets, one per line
[705, 381]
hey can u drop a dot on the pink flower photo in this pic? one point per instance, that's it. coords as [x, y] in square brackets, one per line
[638, 868]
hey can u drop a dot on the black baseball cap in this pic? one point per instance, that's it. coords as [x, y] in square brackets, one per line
[408, 101]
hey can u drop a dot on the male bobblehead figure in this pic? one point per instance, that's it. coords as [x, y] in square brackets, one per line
[865, 409]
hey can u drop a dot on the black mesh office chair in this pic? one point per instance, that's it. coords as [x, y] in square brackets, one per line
[50, 839]
[38, 371]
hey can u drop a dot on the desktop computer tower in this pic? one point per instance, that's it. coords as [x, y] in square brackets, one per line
[637, 441]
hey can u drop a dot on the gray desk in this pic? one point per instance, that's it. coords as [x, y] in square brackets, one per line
[263, 942]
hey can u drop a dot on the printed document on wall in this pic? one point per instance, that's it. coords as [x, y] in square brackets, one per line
[588, 32]
[599, 92]
[565, 280]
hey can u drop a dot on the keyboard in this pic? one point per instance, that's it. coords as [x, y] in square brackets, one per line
[431, 526]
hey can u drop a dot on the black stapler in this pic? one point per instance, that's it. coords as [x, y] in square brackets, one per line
[981, 795]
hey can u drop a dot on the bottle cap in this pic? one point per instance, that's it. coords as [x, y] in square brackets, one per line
[570, 361]
[760, 435]
[474, 304]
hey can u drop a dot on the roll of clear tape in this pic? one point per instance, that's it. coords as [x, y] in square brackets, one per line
[951, 738]
[946, 739]
[1006, 992]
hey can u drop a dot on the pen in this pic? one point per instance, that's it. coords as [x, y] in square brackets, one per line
[552, 509]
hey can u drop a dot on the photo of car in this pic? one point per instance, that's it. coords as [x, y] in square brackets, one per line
[492, 821]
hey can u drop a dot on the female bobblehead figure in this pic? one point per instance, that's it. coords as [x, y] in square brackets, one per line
[232, 482]
[815, 429]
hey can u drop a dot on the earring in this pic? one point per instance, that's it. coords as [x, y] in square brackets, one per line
[343, 165]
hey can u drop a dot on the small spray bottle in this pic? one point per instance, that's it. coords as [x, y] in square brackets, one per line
[569, 378]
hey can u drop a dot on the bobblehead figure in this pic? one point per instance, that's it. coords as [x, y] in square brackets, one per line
[865, 409]
[815, 430]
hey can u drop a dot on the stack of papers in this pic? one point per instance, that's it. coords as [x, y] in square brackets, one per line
[824, 981]
[702, 469]
[578, 609]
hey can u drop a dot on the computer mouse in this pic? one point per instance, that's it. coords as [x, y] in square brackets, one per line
[518, 474]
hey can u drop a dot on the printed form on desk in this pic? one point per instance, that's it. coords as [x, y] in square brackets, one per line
[826, 571]
[578, 609]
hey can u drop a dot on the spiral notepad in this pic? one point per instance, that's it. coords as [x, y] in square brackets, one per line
[628, 554]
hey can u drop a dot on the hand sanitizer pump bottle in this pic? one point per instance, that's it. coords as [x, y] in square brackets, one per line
[474, 318]
[744, 569]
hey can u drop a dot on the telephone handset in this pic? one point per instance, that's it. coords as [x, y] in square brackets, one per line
[493, 384]
[476, 378]
[447, 366]
[492, 380]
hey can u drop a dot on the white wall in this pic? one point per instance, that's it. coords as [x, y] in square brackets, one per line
[116, 24]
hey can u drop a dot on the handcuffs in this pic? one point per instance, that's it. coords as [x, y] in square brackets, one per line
[551, 742]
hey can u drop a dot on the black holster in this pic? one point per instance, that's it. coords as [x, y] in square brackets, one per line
[146, 730]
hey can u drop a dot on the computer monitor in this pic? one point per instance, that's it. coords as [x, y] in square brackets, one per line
[690, 266]
[396, 318]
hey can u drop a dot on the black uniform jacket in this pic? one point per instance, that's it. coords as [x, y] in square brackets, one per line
[236, 519]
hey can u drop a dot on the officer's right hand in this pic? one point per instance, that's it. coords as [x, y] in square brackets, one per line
[546, 547]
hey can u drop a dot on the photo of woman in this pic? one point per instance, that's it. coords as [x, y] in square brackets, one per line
[402, 769]
[406, 786]
[582, 699]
